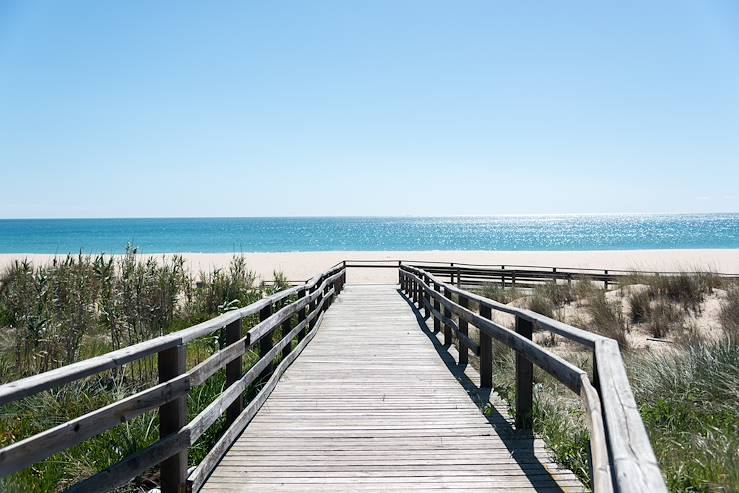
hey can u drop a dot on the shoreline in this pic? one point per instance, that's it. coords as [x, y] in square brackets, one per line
[299, 266]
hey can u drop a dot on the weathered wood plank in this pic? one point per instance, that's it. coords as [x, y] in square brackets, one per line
[351, 414]
[634, 465]
[204, 469]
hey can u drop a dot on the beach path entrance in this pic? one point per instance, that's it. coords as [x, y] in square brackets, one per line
[334, 386]
[375, 402]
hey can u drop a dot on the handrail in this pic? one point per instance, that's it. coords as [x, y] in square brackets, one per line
[621, 455]
[169, 396]
[24, 387]
[558, 268]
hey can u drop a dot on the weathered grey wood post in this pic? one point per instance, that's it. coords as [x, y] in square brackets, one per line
[172, 363]
[285, 330]
[233, 370]
[415, 290]
[448, 314]
[302, 314]
[313, 306]
[463, 329]
[437, 307]
[486, 352]
[524, 379]
[330, 297]
[265, 343]
[425, 297]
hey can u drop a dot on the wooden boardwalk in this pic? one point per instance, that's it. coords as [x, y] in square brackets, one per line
[374, 403]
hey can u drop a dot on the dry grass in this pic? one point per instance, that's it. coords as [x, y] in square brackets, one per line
[83, 306]
[607, 318]
[730, 315]
[499, 294]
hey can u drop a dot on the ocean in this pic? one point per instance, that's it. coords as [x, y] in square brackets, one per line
[292, 234]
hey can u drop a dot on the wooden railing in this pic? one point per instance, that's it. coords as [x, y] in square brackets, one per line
[305, 302]
[523, 276]
[622, 459]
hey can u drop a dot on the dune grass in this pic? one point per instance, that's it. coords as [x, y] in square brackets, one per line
[688, 394]
[607, 318]
[82, 306]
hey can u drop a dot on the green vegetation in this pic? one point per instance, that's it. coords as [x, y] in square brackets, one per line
[499, 294]
[607, 318]
[730, 315]
[687, 392]
[85, 305]
[689, 400]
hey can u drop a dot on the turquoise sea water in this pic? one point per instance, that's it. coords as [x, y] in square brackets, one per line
[567, 232]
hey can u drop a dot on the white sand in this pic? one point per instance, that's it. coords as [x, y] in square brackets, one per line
[303, 265]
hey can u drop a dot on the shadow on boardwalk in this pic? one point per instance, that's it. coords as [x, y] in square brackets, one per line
[520, 444]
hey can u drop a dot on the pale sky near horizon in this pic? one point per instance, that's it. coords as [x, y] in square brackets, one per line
[156, 109]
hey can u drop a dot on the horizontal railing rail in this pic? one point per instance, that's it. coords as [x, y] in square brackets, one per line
[466, 275]
[308, 302]
[622, 459]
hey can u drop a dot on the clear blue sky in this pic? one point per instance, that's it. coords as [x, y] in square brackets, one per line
[252, 108]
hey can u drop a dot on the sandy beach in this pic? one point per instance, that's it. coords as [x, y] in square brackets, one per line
[303, 265]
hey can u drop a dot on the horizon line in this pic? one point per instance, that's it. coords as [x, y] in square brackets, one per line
[394, 216]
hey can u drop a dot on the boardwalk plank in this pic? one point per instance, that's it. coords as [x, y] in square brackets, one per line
[371, 406]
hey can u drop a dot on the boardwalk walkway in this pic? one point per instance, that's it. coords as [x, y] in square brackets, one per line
[373, 404]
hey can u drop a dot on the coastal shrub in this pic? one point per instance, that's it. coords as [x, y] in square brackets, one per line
[584, 288]
[559, 420]
[218, 290]
[607, 318]
[729, 315]
[664, 317]
[689, 402]
[81, 306]
[683, 288]
[542, 305]
[558, 294]
[641, 305]
[500, 294]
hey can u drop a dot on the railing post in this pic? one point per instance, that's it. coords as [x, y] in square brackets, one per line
[172, 417]
[337, 284]
[265, 343]
[447, 328]
[285, 328]
[486, 352]
[330, 299]
[524, 380]
[302, 314]
[312, 307]
[605, 281]
[233, 370]
[459, 278]
[463, 349]
[425, 297]
[437, 307]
